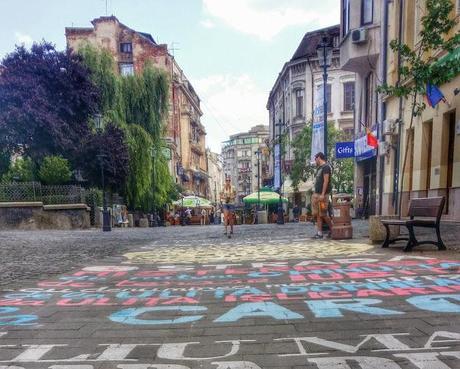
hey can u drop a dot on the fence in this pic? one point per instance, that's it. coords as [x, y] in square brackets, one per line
[35, 191]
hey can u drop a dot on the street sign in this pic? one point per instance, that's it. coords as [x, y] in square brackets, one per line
[344, 150]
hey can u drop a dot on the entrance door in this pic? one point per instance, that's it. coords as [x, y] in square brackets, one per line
[450, 158]
[369, 187]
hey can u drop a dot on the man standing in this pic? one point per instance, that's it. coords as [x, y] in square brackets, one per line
[320, 198]
[228, 196]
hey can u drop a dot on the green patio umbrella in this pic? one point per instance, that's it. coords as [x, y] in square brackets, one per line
[267, 197]
[193, 202]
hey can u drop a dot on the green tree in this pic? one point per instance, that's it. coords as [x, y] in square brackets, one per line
[54, 170]
[22, 170]
[139, 104]
[303, 170]
[419, 66]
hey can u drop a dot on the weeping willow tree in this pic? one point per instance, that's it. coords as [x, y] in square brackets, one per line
[138, 104]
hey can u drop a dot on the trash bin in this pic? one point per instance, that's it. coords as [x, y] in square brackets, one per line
[342, 228]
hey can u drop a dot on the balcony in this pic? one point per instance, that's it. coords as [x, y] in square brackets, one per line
[360, 57]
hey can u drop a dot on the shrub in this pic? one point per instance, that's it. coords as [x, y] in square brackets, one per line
[54, 170]
[20, 170]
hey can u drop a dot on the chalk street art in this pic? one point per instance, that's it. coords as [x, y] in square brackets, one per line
[431, 353]
[210, 294]
[278, 290]
[240, 252]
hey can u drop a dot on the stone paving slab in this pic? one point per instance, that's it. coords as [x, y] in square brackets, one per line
[269, 298]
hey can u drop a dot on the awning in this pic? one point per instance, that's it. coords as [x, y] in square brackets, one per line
[302, 187]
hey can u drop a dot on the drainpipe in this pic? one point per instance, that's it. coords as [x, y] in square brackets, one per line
[383, 111]
[398, 148]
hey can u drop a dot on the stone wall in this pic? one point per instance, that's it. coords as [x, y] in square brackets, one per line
[35, 215]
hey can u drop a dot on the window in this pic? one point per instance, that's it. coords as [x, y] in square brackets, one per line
[367, 9]
[126, 47]
[348, 96]
[299, 94]
[126, 69]
[345, 16]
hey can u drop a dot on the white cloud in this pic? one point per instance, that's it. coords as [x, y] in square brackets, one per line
[23, 39]
[230, 104]
[207, 23]
[265, 19]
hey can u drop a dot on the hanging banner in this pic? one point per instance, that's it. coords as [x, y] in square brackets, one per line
[362, 150]
[277, 167]
[317, 135]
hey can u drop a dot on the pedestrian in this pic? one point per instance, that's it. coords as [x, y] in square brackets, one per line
[296, 213]
[211, 217]
[188, 214]
[228, 196]
[320, 197]
[217, 219]
[204, 215]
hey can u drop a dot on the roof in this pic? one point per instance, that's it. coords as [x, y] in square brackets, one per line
[147, 36]
[311, 40]
[111, 18]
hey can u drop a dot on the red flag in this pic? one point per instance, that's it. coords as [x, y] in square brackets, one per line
[371, 139]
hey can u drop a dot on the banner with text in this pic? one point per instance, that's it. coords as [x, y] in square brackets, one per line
[277, 167]
[317, 138]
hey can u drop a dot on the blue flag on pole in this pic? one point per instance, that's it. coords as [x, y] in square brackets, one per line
[434, 95]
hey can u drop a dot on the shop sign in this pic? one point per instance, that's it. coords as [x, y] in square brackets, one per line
[344, 150]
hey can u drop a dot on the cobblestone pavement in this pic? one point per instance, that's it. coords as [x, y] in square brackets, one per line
[187, 297]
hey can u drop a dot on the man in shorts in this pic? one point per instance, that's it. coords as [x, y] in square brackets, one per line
[227, 197]
[320, 197]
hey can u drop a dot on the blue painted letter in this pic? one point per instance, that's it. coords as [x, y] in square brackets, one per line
[254, 309]
[331, 308]
[129, 316]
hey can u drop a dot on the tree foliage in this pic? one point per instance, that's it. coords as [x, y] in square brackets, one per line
[110, 147]
[417, 65]
[46, 98]
[303, 170]
[139, 104]
[21, 170]
[54, 170]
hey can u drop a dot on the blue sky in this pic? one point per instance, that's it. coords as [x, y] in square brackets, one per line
[231, 50]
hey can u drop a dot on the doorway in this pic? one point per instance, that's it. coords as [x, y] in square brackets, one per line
[450, 157]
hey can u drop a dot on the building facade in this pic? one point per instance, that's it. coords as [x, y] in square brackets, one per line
[291, 100]
[216, 175]
[431, 145]
[185, 135]
[241, 161]
[360, 46]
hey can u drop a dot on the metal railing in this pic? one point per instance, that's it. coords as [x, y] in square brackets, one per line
[35, 191]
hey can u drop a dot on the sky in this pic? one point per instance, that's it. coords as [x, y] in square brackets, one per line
[230, 50]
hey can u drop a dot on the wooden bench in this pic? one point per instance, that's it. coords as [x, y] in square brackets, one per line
[423, 212]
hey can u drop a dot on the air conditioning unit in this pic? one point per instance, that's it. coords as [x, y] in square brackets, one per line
[359, 35]
[384, 148]
[389, 127]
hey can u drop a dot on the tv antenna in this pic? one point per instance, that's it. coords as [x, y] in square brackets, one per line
[174, 48]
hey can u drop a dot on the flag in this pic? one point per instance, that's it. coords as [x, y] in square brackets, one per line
[371, 139]
[434, 95]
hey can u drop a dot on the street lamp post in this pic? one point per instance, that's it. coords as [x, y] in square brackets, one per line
[154, 213]
[280, 217]
[106, 223]
[324, 51]
[258, 152]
